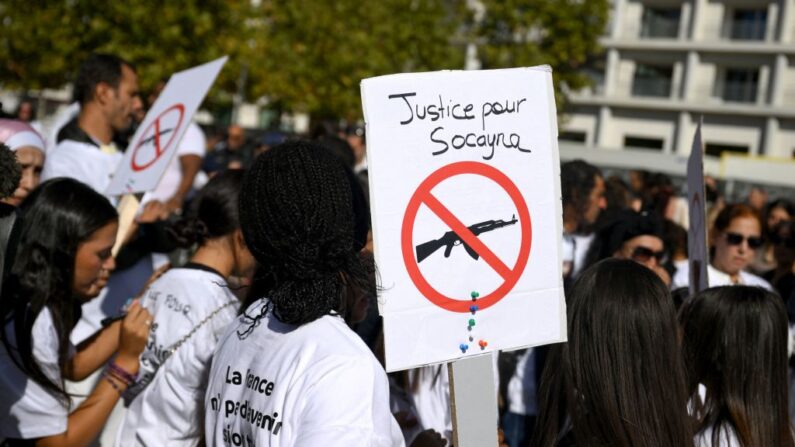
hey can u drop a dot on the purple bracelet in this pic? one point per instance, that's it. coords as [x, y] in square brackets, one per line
[109, 373]
[119, 371]
[113, 384]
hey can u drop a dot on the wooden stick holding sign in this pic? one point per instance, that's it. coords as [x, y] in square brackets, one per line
[698, 253]
[128, 209]
[473, 398]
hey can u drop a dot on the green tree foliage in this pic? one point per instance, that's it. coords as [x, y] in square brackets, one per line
[304, 55]
[316, 52]
[561, 33]
[43, 43]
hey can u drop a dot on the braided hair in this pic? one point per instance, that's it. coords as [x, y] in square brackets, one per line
[297, 217]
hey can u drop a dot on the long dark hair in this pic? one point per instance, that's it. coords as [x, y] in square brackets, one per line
[213, 212]
[735, 344]
[619, 381]
[297, 216]
[56, 218]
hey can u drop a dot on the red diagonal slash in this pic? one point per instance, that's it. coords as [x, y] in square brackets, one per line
[466, 235]
[179, 109]
[424, 196]
[158, 151]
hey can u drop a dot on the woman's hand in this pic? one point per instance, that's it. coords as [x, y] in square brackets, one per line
[134, 334]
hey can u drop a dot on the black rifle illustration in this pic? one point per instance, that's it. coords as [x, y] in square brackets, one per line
[451, 239]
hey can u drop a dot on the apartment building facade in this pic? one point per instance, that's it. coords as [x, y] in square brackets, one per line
[669, 63]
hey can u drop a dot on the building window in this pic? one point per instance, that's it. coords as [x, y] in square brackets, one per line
[748, 24]
[643, 143]
[738, 85]
[652, 80]
[716, 149]
[573, 136]
[660, 23]
[596, 75]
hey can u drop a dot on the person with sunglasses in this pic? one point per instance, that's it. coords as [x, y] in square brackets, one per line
[633, 236]
[734, 239]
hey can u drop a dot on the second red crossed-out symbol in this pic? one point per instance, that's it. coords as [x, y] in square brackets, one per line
[157, 138]
[424, 196]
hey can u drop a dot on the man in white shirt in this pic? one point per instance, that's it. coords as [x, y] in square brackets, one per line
[107, 90]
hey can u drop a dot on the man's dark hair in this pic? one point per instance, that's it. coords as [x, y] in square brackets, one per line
[577, 179]
[96, 69]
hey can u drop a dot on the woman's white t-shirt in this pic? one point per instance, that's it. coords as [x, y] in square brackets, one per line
[27, 410]
[726, 438]
[277, 385]
[170, 409]
[717, 278]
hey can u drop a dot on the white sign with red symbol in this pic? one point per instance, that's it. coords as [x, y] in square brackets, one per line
[155, 142]
[465, 200]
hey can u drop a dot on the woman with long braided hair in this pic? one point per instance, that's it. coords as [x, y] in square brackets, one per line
[289, 371]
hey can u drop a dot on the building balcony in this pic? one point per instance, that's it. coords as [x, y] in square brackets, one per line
[739, 92]
[678, 105]
[747, 31]
[726, 46]
[651, 87]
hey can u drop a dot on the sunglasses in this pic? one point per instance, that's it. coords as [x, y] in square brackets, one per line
[643, 254]
[737, 239]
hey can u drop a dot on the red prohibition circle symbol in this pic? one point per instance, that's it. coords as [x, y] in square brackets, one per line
[153, 134]
[424, 195]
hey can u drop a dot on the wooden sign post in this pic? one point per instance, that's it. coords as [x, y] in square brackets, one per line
[473, 398]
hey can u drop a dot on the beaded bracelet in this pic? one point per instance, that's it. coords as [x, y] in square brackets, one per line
[122, 373]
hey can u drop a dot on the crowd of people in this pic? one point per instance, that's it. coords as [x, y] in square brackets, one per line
[240, 311]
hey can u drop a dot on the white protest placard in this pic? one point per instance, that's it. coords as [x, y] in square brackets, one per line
[465, 197]
[155, 142]
[698, 255]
